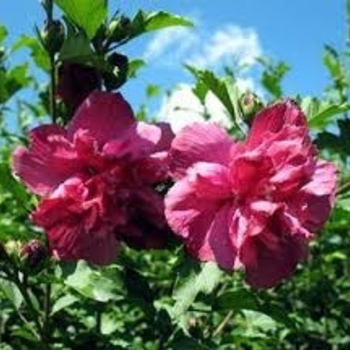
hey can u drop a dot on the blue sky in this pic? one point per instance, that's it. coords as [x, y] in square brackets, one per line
[292, 31]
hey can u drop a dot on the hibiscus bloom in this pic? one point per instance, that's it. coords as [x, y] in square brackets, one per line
[92, 175]
[253, 204]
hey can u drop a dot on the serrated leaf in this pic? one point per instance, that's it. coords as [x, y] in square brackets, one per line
[87, 14]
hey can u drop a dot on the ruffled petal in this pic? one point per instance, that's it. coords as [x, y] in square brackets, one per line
[78, 226]
[210, 181]
[272, 254]
[199, 142]
[314, 202]
[203, 224]
[137, 142]
[104, 115]
[49, 161]
[273, 119]
[166, 138]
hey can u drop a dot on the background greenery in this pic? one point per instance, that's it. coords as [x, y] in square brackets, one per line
[162, 300]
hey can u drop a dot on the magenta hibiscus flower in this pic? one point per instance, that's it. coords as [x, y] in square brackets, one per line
[93, 175]
[253, 204]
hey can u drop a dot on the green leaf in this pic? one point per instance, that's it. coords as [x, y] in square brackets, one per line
[37, 52]
[236, 300]
[63, 302]
[134, 66]
[273, 75]
[200, 279]
[11, 291]
[76, 46]
[92, 283]
[87, 14]
[13, 81]
[153, 90]
[109, 323]
[145, 22]
[258, 324]
[216, 85]
[332, 62]
[3, 33]
[320, 119]
[161, 19]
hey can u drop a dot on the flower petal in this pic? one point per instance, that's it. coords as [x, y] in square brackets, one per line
[77, 224]
[137, 142]
[104, 115]
[272, 254]
[49, 160]
[199, 142]
[273, 119]
[203, 224]
[314, 202]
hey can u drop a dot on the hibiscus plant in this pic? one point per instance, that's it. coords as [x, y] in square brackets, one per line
[118, 233]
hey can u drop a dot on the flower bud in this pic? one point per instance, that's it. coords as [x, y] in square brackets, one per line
[33, 254]
[75, 83]
[52, 36]
[250, 104]
[118, 29]
[120, 71]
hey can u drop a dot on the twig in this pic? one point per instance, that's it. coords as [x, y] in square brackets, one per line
[222, 325]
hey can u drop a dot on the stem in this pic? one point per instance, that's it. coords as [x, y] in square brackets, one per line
[49, 11]
[98, 318]
[344, 188]
[47, 311]
[222, 325]
[53, 107]
[26, 297]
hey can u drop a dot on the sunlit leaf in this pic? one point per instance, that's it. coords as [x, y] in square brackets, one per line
[201, 279]
[87, 14]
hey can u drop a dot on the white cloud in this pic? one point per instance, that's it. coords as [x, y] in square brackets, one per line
[182, 107]
[170, 45]
[240, 45]
[226, 45]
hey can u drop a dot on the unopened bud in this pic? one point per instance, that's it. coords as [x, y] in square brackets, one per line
[75, 83]
[120, 72]
[250, 104]
[33, 254]
[52, 36]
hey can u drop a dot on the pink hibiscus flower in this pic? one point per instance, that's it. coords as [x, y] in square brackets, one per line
[92, 175]
[253, 204]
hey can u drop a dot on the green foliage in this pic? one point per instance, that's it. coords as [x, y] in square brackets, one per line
[162, 300]
[86, 14]
[272, 76]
